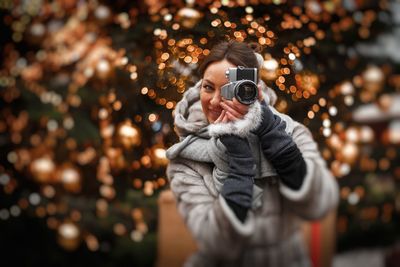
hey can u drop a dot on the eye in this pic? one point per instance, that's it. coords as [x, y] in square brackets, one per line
[208, 88]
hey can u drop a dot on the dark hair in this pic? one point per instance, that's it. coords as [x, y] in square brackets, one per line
[237, 53]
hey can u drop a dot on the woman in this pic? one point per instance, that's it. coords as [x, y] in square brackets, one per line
[245, 176]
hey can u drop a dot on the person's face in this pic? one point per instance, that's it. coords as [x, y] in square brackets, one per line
[210, 94]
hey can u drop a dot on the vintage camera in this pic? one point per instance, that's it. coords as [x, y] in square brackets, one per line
[242, 85]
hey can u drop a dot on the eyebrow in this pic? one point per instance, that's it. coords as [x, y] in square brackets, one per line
[208, 81]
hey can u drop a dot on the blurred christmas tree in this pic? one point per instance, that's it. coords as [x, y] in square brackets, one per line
[87, 93]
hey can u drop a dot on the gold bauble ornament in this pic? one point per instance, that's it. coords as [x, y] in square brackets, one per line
[269, 70]
[103, 69]
[69, 236]
[128, 134]
[36, 33]
[70, 177]
[335, 142]
[366, 134]
[394, 132]
[103, 14]
[385, 102]
[373, 78]
[352, 134]
[43, 170]
[188, 17]
[346, 88]
[349, 153]
[158, 155]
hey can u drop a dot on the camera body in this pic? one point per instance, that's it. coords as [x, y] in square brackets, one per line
[242, 85]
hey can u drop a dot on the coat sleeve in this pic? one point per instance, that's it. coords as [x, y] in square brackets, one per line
[319, 192]
[206, 213]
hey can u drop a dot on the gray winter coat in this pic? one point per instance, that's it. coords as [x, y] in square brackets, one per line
[270, 235]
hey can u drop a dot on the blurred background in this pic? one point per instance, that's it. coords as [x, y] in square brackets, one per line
[87, 93]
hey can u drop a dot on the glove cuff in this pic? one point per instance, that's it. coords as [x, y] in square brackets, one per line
[268, 120]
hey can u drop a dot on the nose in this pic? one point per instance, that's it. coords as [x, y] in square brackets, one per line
[216, 99]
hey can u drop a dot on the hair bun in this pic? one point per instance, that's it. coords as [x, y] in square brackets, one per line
[256, 47]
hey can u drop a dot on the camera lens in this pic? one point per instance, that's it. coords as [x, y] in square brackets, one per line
[247, 92]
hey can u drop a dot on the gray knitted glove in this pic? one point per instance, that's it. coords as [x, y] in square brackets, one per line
[280, 149]
[238, 187]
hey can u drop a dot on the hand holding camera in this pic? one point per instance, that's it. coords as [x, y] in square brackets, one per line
[240, 92]
[232, 110]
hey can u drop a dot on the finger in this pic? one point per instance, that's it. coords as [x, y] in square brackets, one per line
[221, 116]
[231, 117]
[260, 94]
[225, 119]
[241, 108]
[229, 108]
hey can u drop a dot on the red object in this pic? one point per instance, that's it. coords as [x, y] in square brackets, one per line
[315, 244]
